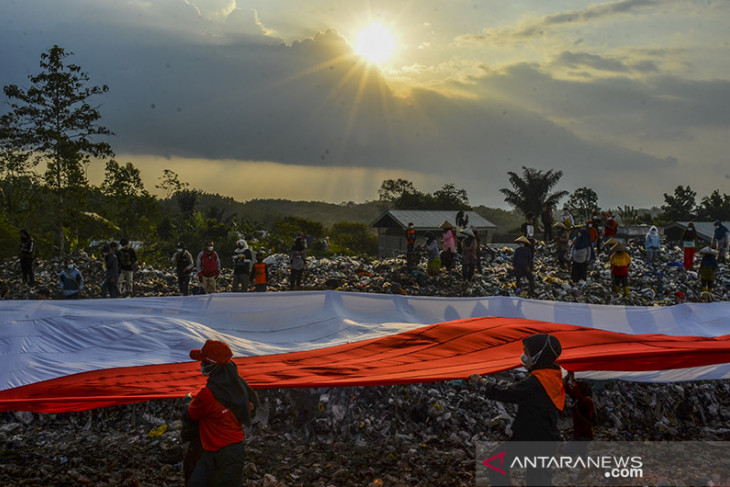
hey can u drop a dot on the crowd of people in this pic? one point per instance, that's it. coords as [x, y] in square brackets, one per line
[574, 247]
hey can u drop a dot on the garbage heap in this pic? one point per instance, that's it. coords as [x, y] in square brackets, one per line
[420, 434]
[662, 283]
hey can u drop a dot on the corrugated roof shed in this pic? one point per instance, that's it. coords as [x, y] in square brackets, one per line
[703, 229]
[428, 219]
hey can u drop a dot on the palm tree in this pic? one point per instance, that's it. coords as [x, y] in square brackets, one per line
[531, 191]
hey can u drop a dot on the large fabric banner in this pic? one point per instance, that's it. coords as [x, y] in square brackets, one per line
[75, 355]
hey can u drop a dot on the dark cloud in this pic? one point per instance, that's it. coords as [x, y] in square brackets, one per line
[244, 97]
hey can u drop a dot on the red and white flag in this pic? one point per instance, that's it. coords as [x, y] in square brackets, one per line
[74, 355]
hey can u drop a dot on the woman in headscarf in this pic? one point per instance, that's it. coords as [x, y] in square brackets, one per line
[652, 244]
[539, 398]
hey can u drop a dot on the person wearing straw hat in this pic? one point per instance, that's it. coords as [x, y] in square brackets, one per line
[708, 269]
[221, 409]
[620, 260]
[522, 263]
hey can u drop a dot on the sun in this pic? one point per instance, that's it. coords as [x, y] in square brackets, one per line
[375, 43]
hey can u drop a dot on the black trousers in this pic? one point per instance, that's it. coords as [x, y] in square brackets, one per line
[26, 269]
[222, 468]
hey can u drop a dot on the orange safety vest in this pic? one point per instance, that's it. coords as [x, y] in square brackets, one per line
[410, 236]
[259, 272]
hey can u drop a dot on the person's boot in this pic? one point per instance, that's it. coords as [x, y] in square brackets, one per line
[617, 289]
[626, 291]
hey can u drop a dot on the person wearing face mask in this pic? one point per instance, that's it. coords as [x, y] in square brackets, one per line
[221, 409]
[539, 398]
[183, 262]
[71, 281]
[209, 267]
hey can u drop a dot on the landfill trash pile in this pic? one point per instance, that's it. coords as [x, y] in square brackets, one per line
[420, 434]
[663, 283]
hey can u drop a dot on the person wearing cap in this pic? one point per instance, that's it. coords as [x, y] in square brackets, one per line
[539, 397]
[708, 269]
[298, 258]
[619, 261]
[522, 261]
[183, 262]
[112, 273]
[242, 263]
[720, 239]
[209, 267]
[221, 408]
[71, 280]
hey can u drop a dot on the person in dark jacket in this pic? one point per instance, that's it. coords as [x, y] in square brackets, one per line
[522, 263]
[112, 273]
[127, 265]
[27, 251]
[539, 398]
[182, 259]
[221, 408]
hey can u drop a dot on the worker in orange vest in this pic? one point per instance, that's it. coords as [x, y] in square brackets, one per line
[260, 273]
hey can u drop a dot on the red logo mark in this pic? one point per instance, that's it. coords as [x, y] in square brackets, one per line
[501, 461]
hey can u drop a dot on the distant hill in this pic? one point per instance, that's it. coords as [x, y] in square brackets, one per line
[266, 211]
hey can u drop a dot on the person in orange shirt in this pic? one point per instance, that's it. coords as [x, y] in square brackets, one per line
[260, 273]
[221, 409]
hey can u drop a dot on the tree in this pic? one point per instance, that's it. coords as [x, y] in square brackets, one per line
[394, 189]
[714, 207]
[356, 238]
[628, 215]
[171, 184]
[121, 181]
[530, 192]
[680, 206]
[582, 203]
[54, 121]
[451, 198]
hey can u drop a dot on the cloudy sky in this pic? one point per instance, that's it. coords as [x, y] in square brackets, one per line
[281, 98]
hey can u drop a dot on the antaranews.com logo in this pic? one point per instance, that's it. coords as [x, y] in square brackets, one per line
[612, 467]
[598, 463]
